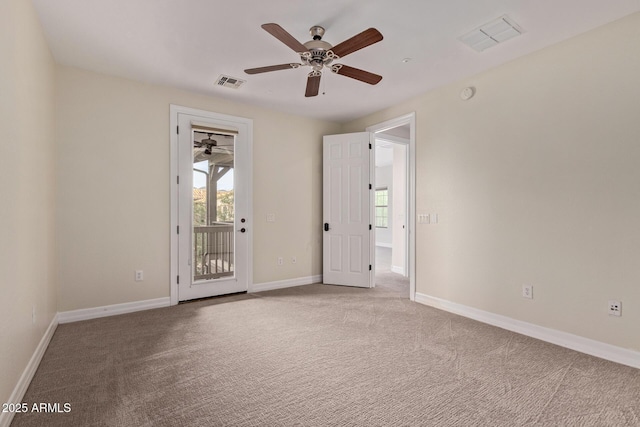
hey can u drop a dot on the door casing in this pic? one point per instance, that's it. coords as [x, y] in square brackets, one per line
[409, 119]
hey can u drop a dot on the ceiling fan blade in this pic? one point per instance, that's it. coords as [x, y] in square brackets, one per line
[281, 34]
[357, 42]
[271, 68]
[356, 73]
[313, 85]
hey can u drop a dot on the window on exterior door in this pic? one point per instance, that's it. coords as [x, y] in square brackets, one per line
[382, 207]
[213, 218]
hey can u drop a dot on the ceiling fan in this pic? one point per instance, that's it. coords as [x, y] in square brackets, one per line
[318, 54]
[208, 146]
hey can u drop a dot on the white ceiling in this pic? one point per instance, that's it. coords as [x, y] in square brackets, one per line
[189, 43]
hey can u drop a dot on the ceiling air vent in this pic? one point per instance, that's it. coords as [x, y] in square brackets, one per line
[228, 81]
[491, 33]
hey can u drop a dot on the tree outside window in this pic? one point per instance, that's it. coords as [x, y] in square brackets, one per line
[382, 207]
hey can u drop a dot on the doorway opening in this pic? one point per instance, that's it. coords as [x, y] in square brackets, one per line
[394, 204]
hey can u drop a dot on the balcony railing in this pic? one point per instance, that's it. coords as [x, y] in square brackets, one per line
[213, 251]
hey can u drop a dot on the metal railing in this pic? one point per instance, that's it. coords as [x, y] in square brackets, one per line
[213, 251]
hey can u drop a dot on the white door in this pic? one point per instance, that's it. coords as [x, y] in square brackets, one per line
[348, 255]
[213, 223]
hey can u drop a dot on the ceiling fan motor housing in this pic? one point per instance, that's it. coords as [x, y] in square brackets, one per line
[319, 54]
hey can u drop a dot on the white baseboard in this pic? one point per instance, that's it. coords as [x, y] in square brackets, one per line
[288, 283]
[28, 373]
[564, 339]
[112, 310]
[398, 270]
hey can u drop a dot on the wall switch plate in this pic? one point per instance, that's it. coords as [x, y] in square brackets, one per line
[271, 217]
[280, 260]
[139, 275]
[293, 260]
[527, 291]
[423, 218]
[615, 308]
[433, 218]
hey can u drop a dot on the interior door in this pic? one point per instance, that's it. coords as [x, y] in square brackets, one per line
[212, 207]
[348, 255]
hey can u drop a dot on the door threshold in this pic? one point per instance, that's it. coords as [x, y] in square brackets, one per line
[215, 297]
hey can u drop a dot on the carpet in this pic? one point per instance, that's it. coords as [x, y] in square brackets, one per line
[320, 355]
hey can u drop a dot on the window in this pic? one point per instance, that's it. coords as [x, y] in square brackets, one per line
[382, 207]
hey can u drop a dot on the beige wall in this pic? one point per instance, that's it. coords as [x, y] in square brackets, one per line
[536, 180]
[26, 189]
[113, 188]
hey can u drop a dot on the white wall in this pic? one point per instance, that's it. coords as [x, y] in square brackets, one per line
[535, 181]
[113, 188]
[384, 178]
[27, 185]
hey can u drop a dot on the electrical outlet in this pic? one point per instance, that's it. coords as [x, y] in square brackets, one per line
[293, 260]
[139, 275]
[280, 260]
[615, 308]
[527, 291]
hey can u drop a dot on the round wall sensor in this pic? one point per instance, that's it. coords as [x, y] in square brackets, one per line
[467, 93]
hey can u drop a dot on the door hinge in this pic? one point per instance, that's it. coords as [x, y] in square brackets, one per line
[370, 187]
[178, 230]
[178, 279]
[370, 227]
[178, 130]
[178, 180]
[369, 146]
[369, 267]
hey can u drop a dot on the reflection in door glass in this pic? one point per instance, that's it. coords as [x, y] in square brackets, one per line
[213, 207]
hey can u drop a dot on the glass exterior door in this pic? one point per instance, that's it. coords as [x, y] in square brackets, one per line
[213, 193]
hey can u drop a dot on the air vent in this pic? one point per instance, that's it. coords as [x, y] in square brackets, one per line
[491, 33]
[228, 81]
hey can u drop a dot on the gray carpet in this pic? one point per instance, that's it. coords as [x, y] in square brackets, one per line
[320, 355]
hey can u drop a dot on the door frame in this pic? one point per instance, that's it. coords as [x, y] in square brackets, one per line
[174, 110]
[409, 119]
